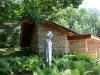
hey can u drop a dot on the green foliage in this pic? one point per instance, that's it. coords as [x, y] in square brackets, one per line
[12, 11]
[67, 72]
[64, 65]
[9, 37]
[96, 69]
[75, 72]
[4, 67]
[83, 20]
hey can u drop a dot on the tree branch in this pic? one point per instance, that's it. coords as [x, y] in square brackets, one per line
[13, 25]
[46, 10]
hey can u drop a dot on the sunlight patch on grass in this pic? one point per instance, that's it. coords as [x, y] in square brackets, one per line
[6, 51]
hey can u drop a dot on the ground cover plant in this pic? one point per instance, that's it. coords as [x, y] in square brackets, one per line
[62, 64]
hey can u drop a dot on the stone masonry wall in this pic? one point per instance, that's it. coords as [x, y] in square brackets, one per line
[77, 46]
[59, 40]
[66, 45]
[34, 40]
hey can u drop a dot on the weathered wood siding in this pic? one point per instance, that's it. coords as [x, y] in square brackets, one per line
[98, 49]
[93, 47]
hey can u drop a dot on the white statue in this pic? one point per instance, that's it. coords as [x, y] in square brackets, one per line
[48, 49]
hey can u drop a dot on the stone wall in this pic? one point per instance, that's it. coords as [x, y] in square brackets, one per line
[59, 40]
[34, 40]
[77, 46]
[66, 45]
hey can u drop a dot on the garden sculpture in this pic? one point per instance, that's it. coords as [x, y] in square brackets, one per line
[48, 50]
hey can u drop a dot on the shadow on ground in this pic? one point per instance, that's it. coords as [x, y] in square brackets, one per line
[7, 52]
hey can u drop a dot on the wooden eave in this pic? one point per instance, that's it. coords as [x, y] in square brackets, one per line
[79, 37]
[95, 38]
[88, 36]
[59, 29]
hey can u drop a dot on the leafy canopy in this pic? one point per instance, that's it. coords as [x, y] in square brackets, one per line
[13, 11]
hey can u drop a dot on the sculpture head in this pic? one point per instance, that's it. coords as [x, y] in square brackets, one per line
[50, 35]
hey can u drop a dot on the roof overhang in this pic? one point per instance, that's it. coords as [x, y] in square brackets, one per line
[59, 29]
[88, 36]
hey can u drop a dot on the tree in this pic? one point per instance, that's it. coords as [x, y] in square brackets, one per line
[16, 12]
[89, 20]
[86, 21]
[9, 37]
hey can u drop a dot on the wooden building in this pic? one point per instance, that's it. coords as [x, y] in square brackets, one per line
[64, 39]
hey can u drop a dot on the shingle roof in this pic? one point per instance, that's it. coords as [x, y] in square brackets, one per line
[66, 29]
